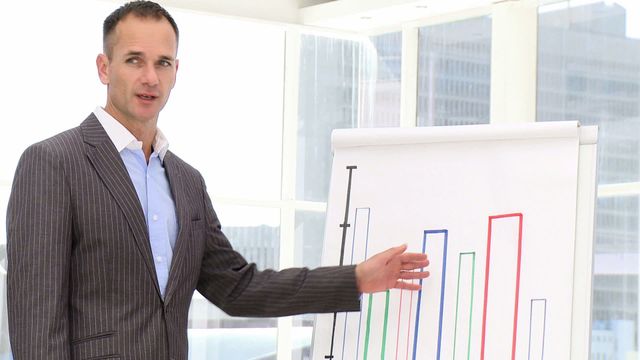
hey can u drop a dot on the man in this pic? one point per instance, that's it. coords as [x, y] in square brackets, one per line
[109, 233]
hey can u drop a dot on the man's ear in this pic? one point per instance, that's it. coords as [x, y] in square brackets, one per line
[102, 64]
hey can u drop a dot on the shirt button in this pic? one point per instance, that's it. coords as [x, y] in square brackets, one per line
[159, 258]
[155, 217]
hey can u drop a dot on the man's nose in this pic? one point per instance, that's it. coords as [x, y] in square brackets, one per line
[150, 76]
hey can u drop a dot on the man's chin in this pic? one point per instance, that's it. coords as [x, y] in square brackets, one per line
[147, 116]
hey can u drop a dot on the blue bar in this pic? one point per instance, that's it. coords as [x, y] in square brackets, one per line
[444, 272]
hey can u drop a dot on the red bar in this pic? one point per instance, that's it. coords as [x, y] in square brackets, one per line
[486, 284]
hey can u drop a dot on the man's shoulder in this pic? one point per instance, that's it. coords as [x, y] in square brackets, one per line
[62, 144]
[68, 140]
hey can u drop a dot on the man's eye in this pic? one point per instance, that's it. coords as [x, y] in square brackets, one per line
[133, 61]
[165, 63]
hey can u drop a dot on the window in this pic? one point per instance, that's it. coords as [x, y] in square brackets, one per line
[328, 99]
[344, 83]
[589, 70]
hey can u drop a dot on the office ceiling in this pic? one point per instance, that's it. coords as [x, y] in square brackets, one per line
[353, 15]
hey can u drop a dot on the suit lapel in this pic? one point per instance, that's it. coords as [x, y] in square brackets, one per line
[176, 182]
[111, 170]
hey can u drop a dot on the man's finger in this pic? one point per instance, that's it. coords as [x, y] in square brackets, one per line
[405, 275]
[414, 265]
[407, 286]
[408, 257]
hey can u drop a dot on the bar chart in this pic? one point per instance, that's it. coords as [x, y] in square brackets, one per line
[407, 325]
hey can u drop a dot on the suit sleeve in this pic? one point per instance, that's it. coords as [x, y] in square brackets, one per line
[239, 289]
[39, 240]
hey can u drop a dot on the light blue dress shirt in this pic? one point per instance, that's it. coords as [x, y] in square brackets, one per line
[152, 186]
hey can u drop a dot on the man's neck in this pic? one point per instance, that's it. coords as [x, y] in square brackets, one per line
[142, 131]
[146, 134]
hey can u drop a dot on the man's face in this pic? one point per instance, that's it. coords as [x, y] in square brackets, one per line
[142, 69]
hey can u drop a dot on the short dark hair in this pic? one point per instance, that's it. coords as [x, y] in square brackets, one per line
[139, 8]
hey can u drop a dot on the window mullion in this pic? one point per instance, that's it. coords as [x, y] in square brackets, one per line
[514, 62]
[409, 77]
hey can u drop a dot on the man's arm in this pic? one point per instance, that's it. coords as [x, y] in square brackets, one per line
[39, 233]
[239, 289]
[235, 286]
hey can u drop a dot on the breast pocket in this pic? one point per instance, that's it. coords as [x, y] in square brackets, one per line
[198, 238]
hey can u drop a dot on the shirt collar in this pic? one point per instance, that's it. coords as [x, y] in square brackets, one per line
[122, 138]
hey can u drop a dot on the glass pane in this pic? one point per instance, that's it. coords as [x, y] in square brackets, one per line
[454, 73]
[617, 225]
[255, 233]
[589, 70]
[225, 113]
[328, 99]
[309, 238]
[381, 82]
[308, 252]
[615, 281]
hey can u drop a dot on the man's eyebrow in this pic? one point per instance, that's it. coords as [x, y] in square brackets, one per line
[141, 54]
[134, 53]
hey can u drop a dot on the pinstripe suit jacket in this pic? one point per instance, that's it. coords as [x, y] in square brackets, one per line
[81, 280]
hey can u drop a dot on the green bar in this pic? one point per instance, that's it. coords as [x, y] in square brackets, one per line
[473, 276]
[455, 333]
[384, 330]
[366, 336]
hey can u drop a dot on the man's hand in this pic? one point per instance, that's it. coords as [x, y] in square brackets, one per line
[389, 269]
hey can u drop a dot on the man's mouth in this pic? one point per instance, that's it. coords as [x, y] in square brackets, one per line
[147, 96]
